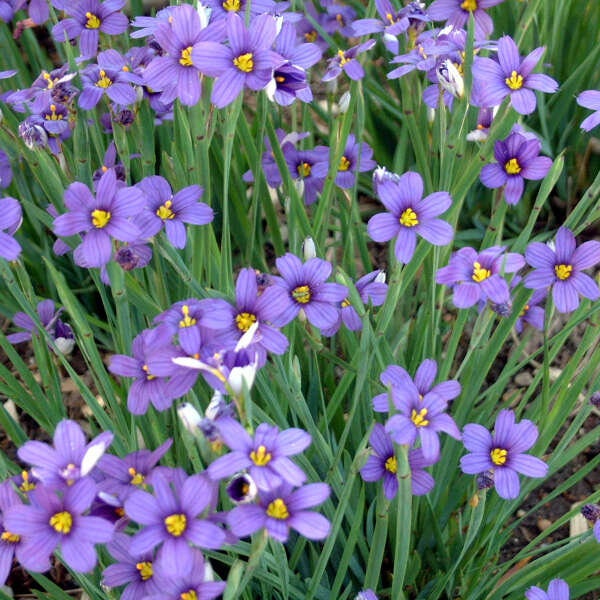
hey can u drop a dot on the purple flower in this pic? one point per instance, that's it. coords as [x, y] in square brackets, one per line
[503, 453]
[266, 456]
[309, 168]
[307, 290]
[175, 72]
[457, 13]
[60, 332]
[409, 214]
[517, 159]
[366, 595]
[10, 543]
[191, 579]
[383, 464]
[557, 590]
[346, 60]
[69, 459]
[423, 418]
[11, 216]
[371, 288]
[282, 509]
[220, 9]
[391, 23]
[171, 211]
[590, 99]
[560, 267]
[111, 76]
[147, 388]
[88, 19]
[590, 511]
[510, 76]
[170, 518]
[355, 159]
[404, 387]
[289, 79]
[248, 61]
[52, 521]
[135, 571]
[125, 475]
[100, 217]
[477, 277]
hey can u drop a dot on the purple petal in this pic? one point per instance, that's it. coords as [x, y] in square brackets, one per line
[507, 483]
[528, 465]
[311, 525]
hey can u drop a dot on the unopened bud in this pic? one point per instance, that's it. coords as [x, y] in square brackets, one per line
[591, 512]
[189, 417]
[344, 102]
[485, 480]
[242, 489]
[450, 78]
[595, 399]
[309, 249]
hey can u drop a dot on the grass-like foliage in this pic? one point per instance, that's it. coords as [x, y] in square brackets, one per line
[299, 298]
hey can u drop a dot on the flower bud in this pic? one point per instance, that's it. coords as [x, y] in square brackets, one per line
[308, 248]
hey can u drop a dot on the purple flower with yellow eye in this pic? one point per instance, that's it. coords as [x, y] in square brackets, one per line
[510, 76]
[51, 521]
[409, 215]
[11, 216]
[308, 168]
[248, 61]
[590, 99]
[477, 276]
[347, 61]
[557, 590]
[281, 509]
[457, 14]
[111, 76]
[560, 267]
[266, 456]
[517, 159]
[68, 459]
[89, 18]
[170, 518]
[100, 218]
[171, 210]
[357, 158]
[10, 543]
[308, 291]
[383, 464]
[176, 74]
[503, 452]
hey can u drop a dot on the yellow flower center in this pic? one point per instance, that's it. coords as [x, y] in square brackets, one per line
[409, 218]
[145, 569]
[418, 418]
[479, 273]
[186, 57]
[245, 320]
[278, 510]
[390, 17]
[391, 464]
[190, 595]
[301, 294]
[53, 116]
[515, 81]
[136, 478]
[62, 522]
[149, 376]
[469, 5]
[187, 321]
[232, 5]
[512, 167]
[93, 22]
[311, 36]
[176, 524]
[49, 80]
[244, 62]
[100, 218]
[563, 271]
[10, 538]
[343, 58]
[164, 211]
[346, 303]
[260, 457]
[27, 484]
[524, 311]
[344, 164]
[304, 169]
[104, 81]
[499, 456]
